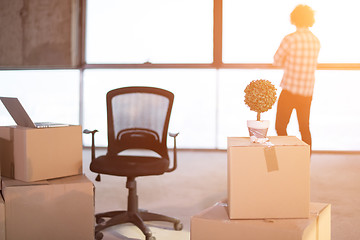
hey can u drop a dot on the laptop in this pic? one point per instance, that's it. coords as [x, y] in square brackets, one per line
[21, 117]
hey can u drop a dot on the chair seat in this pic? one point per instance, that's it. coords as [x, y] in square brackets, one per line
[133, 166]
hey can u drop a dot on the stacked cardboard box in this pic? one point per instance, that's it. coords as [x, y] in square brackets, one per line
[46, 195]
[268, 195]
[268, 180]
[214, 224]
[31, 154]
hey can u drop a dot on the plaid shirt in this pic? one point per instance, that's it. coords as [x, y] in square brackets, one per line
[297, 54]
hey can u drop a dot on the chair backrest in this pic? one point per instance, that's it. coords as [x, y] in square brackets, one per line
[138, 118]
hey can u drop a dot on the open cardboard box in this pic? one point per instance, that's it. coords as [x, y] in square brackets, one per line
[31, 154]
[214, 224]
[55, 209]
[268, 181]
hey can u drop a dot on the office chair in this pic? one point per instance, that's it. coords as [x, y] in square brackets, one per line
[137, 118]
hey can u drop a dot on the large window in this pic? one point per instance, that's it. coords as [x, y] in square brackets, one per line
[157, 31]
[254, 29]
[206, 52]
[194, 105]
[209, 103]
[46, 95]
[334, 112]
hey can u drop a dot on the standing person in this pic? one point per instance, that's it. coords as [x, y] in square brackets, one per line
[297, 55]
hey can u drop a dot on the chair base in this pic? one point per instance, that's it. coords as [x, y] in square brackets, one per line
[136, 218]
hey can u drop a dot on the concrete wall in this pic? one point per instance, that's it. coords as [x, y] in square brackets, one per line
[39, 33]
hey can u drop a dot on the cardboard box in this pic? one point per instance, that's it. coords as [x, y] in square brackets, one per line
[6, 151]
[30, 154]
[54, 209]
[214, 224]
[2, 218]
[267, 181]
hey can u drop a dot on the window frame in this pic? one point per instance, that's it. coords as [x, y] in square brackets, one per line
[217, 52]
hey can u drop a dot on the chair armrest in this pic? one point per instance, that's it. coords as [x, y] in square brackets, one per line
[174, 135]
[86, 131]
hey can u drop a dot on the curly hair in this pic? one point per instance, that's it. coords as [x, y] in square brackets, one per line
[302, 16]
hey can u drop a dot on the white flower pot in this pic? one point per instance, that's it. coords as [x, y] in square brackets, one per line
[258, 128]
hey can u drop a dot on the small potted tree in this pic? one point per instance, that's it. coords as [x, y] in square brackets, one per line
[260, 96]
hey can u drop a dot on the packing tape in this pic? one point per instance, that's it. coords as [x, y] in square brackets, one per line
[271, 158]
[269, 153]
[257, 132]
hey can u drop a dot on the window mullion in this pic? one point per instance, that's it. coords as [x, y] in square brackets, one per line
[217, 34]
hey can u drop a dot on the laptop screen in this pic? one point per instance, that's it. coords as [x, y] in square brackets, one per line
[17, 112]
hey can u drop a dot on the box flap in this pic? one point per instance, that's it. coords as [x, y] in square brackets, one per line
[216, 212]
[9, 182]
[81, 178]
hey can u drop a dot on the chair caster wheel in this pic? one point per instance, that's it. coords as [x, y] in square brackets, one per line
[99, 236]
[178, 226]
